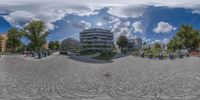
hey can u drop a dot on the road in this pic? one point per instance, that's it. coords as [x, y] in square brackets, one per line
[62, 78]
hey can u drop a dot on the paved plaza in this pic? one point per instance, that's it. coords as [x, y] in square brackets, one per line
[127, 78]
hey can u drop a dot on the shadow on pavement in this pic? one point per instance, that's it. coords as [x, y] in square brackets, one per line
[89, 59]
[119, 55]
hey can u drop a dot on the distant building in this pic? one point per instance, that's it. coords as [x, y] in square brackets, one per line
[135, 43]
[131, 44]
[138, 43]
[3, 42]
[147, 46]
[96, 39]
[163, 46]
[69, 44]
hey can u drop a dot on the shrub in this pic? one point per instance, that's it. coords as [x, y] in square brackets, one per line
[106, 56]
[87, 52]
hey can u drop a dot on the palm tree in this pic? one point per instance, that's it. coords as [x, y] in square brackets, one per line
[186, 37]
[14, 39]
[122, 41]
[36, 33]
[195, 39]
[54, 45]
[175, 44]
[184, 33]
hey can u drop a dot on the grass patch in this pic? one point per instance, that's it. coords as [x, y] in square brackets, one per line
[105, 56]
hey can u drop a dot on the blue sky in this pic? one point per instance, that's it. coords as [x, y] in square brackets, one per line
[151, 20]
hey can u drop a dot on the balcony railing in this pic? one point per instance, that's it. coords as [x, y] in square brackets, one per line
[98, 37]
[93, 48]
[95, 40]
[89, 44]
[97, 34]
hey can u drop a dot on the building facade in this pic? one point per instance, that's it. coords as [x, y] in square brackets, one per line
[138, 43]
[3, 39]
[96, 39]
[69, 44]
[135, 43]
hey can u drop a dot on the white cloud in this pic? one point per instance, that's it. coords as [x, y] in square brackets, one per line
[110, 19]
[122, 28]
[164, 27]
[157, 41]
[52, 11]
[19, 18]
[68, 21]
[23, 12]
[146, 39]
[166, 40]
[138, 27]
[82, 25]
[196, 11]
[75, 5]
[132, 11]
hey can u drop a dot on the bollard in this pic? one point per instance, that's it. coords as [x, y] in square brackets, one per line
[187, 54]
[161, 56]
[33, 54]
[39, 55]
[180, 55]
[142, 54]
[171, 56]
[45, 54]
[48, 54]
[150, 56]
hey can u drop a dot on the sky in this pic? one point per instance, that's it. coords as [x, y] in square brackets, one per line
[151, 20]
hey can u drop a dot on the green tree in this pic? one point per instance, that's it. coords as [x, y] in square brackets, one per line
[122, 41]
[157, 46]
[54, 45]
[195, 39]
[175, 44]
[36, 33]
[14, 39]
[186, 37]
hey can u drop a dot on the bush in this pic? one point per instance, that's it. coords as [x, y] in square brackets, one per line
[124, 50]
[106, 56]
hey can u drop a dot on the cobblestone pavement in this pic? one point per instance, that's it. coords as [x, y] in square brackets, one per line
[128, 78]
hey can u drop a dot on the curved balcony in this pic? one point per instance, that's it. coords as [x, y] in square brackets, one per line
[96, 34]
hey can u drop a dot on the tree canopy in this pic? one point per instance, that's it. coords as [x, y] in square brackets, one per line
[54, 45]
[36, 33]
[157, 46]
[14, 39]
[186, 38]
[122, 41]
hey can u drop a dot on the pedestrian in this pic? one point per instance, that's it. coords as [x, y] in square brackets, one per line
[160, 56]
[39, 55]
[187, 54]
